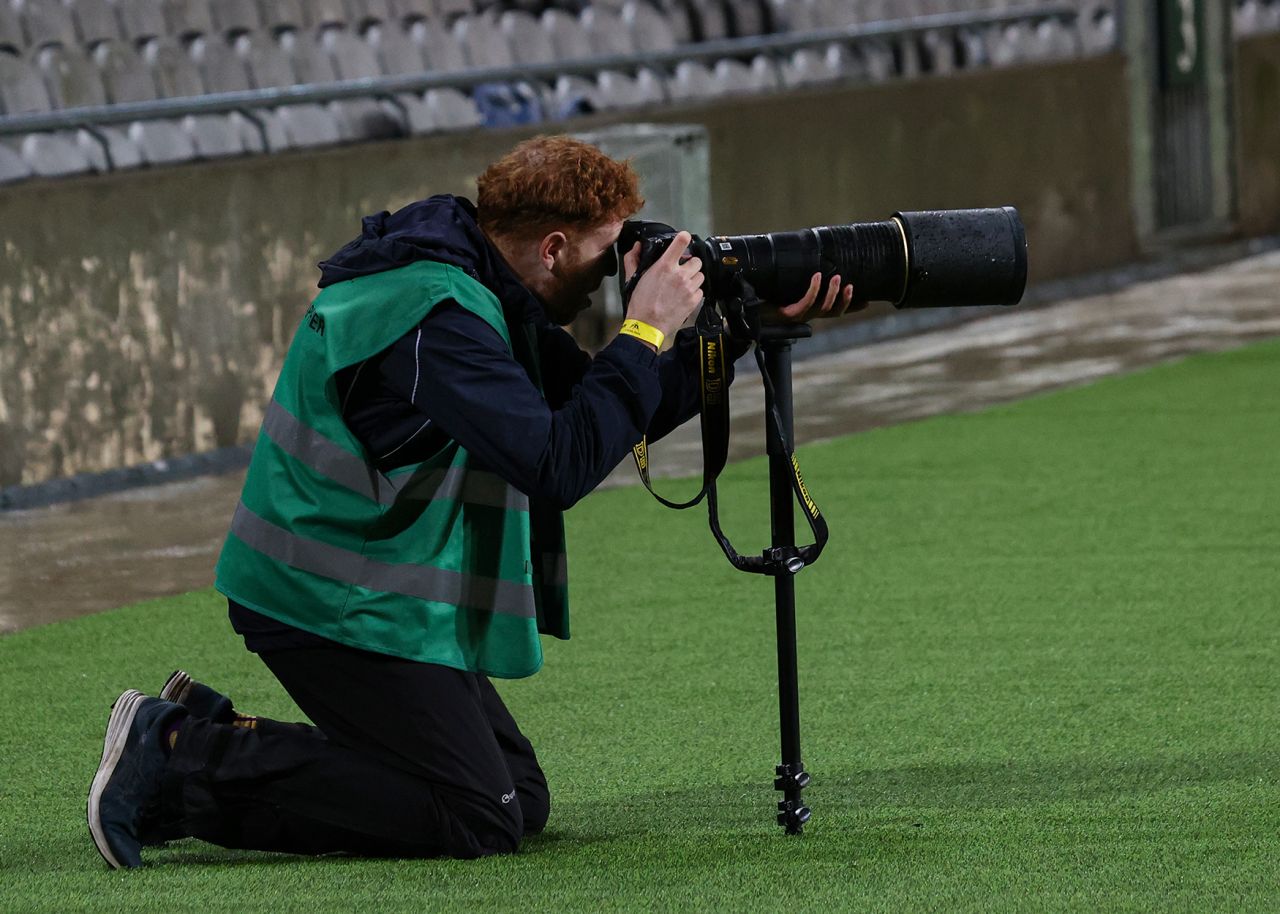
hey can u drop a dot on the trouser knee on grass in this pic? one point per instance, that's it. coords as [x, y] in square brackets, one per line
[405, 759]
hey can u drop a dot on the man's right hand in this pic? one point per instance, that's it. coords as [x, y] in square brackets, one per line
[669, 291]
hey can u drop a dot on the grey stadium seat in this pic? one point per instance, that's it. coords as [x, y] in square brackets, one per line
[177, 75]
[1097, 25]
[354, 58]
[482, 41]
[45, 22]
[11, 36]
[451, 109]
[73, 82]
[126, 79]
[356, 118]
[650, 30]
[141, 19]
[269, 66]
[22, 91]
[362, 13]
[95, 20]
[736, 78]
[186, 18]
[398, 54]
[327, 12]
[12, 167]
[692, 82]
[530, 43]
[232, 17]
[619, 91]
[443, 54]
[606, 31]
[795, 16]
[285, 14]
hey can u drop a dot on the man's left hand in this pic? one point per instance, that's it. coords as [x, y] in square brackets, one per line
[836, 302]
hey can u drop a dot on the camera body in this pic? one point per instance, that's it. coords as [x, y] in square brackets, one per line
[930, 259]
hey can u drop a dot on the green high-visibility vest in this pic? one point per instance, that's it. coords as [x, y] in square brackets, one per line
[440, 562]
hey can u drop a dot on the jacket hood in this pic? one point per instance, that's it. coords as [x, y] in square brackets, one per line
[442, 228]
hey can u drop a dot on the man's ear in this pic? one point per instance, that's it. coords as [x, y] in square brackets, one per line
[550, 247]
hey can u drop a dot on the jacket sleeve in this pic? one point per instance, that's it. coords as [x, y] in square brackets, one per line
[465, 381]
[564, 364]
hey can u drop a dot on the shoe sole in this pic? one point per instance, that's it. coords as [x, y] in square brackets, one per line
[119, 724]
[176, 687]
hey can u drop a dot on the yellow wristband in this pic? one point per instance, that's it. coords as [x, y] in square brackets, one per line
[642, 331]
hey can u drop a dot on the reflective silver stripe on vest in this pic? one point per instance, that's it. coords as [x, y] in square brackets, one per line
[324, 456]
[350, 471]
[555, 569]
[421, 581]
[475, 487]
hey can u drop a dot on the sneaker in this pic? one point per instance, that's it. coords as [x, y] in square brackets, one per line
[127, 785]
[197, 698]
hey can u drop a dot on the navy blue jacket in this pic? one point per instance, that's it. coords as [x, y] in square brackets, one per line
[453, 376]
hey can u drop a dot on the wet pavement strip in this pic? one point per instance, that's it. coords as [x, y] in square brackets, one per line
[87, 556]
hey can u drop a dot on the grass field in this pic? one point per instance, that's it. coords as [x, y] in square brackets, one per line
[1039, 671]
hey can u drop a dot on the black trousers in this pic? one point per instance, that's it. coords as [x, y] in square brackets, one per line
[405, 759]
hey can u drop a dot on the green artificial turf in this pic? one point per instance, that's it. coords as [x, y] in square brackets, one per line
[1039, 671]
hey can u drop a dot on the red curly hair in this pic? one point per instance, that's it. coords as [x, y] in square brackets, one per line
[551, 182]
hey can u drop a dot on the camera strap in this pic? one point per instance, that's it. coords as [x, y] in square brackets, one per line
[775, 559]
[712, 369]
[715, 449]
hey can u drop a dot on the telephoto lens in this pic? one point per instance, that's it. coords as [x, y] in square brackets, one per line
[931, 259]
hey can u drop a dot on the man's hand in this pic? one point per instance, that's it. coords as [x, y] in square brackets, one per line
[837, 301]
[670, 290]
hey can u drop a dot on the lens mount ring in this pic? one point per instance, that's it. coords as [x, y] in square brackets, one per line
[906, 257]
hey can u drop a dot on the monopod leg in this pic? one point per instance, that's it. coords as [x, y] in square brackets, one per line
[791, 777]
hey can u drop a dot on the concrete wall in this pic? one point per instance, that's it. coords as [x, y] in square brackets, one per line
[1258, 134]
[144, 315]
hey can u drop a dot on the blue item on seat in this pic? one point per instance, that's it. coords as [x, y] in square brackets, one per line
[507, 104]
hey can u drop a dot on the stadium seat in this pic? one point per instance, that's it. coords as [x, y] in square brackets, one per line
[357, 118]
[795, 16]
[268, 66]
[451, 109]
[530, 43]
[22, 91]
[809, 66]
[354, 58]
[231, 17]
[650, 30]
[442, 53]
[126, 79]
[749, 18]
[73, 82]
[482, 41]
[284, 14]
[448, 10]
[710, 20]
[573, 96]
[619, 91]
[11, 37]
[940, 52]
[94, 20]
[327, 12]
[12, 166]
[1097, 26]
[398, 54]
[45, 22]
[177, 74]
[187, 18]
[363, 13]
[733, 77]
[141, 19]
[606, 32]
